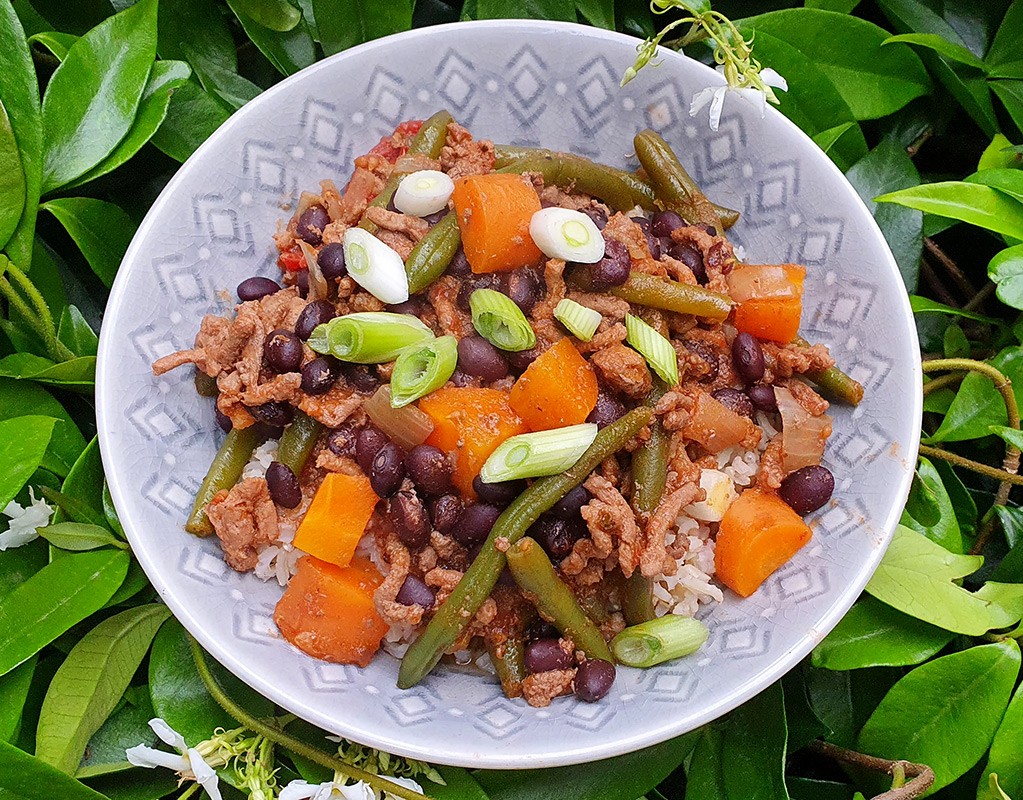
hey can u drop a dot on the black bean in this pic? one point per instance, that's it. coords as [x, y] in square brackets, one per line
[283, 485]
[414, 306]
[646, 226]
[505, 578]
[429, 468]
[276, 413]
[762, 395]
[318, 312]
[408, 516]
[435, 217]
[361, 377]
[608, 409]
[498, 494]
[491, 280]
[311, 224]
[331, 260]
[664, 222]
[541, 629]
[319, 375]
[367, 444]
[387, 470]
[807, 489]
[255, 288]
[711, 230]
[459, 266]
[568, 506]
[520, 360]
[282, 351]
[414, 592]
[544, 655]
[341, 441]
[691, 256]
[734, 400]
[474, 523]
[525, 288]
[594, 679]
[302, 282]
[613, 269]
[478, 357]
[597, 215]
[644, 223]
[461, 380]
[748, 357]
[557, 536]
[444, 512]
[223, 420]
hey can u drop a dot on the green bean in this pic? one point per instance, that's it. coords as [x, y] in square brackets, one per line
[205, 385]
[431, 256]
[566, 170]
[833, 382]
[672, 183]
[535, 575]
[224, 473]
[509, 660]
[428, 142]
[662, 293]
[479, 580]
[298, 441]
[638, 599]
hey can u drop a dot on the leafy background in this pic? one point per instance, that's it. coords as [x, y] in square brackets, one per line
[919, 101]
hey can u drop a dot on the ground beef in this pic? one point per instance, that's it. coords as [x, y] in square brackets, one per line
[673, 409]
[784, 361]
[245, 521]
[607, 305]
[607, 335]
[655, 558]
[771, 471]
[611, 523]
[333, 407]
[624, 370]
[812, 402]
[541, 688]
[443, 297]
[462, 155]
[718, 256]
[399, 562]
[624, 230]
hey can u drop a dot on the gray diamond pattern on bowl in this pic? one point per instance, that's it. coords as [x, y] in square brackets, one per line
[524, 82]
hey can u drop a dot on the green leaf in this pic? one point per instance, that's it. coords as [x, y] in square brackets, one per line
[1009, 435]
[1006, 757]
[346, 23]
[101, 230]
[110, 513]
[277, 15]
[55, 42]
[887, 168]
[1009, 181]
[942, 46]
[1011, 95]
[134, 582]
[526, 9]
[978, 405]
[825, 140]
[78, 536]
[84, 484]
[18, 564]
[18, 399]
[924, 305]
[1005, 47]
[27, 778]
[74, 332]
[126, 727]
[164, 79]
[92, 98]
[841, 6]
[968, 202]
[19, 89]
[802, 721]
[1006, 602]
[288, 52]
[999, 155]
[60, 595]
[875, 635]
[929, 509]
[459, 784]
[14, 688]
[201, 26]
[90, 682]
[226, 84]
[945, 713]
[963, 504]
[956, 345]
[597, 12]
[192, 117]
[12, 179]
[23, 443]
[1006, 270]
[71, 507]
[873, 80]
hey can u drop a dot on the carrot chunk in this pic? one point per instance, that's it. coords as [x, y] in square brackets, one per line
[758, 534]
[559, 388]
[328, 612]
[769, 300]
[493, 213]
[337, 518]
[469, 423]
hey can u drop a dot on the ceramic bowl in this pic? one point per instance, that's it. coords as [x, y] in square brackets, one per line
[533, 83]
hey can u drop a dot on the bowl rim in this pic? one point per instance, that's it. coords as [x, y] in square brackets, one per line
[584, 750]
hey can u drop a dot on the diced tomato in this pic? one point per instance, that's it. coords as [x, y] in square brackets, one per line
[291, 260]
[387, 148]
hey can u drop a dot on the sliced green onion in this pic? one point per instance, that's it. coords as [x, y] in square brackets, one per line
[423, 368]
[657, 350]
[533, 455]
[581, 321]
[500, 321]
[567, 234]
[368, 337]
[659, 640]
[423, 193]
[375, 267]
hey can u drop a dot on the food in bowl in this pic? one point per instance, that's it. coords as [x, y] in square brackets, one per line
[513, 408]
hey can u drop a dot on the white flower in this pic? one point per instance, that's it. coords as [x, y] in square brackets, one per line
[335, 790]
[187, 762]
[715, 95]
[24, 521]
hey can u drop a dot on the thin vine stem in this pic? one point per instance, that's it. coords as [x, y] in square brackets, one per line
[973, 466]
[286, 740]
[41, 316]
[922, 775]
[941, 382]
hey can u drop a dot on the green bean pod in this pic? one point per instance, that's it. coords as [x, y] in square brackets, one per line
[570, 171]
[535, 575]
[509, 660]
[674, 187]
[479, 580]
[224, 473]
[297, 442]
[206, 385]
[638, 599]
[663, 293]
[833, 382]
[432, 255]
[428, 142]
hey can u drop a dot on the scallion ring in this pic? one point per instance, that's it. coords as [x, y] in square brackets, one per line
[375, 267]
[657, 350]
[498, 320]
[567, 234]
[369, 337]
[423, 368]
[423, 193]
[533, 455]
[582, 322]
[658, 640]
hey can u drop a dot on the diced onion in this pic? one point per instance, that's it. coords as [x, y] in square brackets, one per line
[375, 267]
[318, 289]
[368, 337]
[533, 455]
[582, 322]
[423, 193]
[720, 493]
[657, 350]
[713, 425]
[803, 435]
[757, 282]
[407, 426]
[498, 320]
[567, 234]
[423, 368]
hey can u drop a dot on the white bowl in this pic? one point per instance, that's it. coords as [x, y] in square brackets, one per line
[524, 82]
